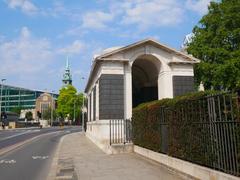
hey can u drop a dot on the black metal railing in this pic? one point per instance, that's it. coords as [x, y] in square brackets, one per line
[120, 131]
[204, 131]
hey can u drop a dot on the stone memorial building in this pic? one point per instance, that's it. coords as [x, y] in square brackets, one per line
[123, 77]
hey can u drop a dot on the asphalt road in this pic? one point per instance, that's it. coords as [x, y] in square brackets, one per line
[7, 134]
[11, 137]
[32, 160]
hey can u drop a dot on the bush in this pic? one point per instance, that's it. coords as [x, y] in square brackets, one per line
[146, 119]
[29, 116]
[182, 127]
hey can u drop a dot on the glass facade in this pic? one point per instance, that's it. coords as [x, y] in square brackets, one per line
[13, 97]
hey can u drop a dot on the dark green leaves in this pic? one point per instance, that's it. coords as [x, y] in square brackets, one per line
[217, 44]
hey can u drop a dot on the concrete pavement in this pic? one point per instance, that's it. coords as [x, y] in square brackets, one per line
[78, 158]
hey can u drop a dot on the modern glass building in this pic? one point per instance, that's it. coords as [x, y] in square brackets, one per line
[14, 97]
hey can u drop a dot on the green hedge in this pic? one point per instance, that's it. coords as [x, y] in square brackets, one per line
[146, 119]
[179, 127]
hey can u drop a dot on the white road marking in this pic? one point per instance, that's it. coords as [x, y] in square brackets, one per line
[25, 132]
[36, 130]
[14, 136]
[40, 157]
[7, 161]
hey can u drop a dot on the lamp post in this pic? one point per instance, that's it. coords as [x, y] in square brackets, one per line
[74, 113]
[83, 108]
[52, 109]
[83, 112]
[2, 80]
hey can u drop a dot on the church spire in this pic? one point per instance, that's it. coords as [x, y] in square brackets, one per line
[67, 77]
[67, 64]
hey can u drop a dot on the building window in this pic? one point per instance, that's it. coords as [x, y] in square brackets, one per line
[44, 107]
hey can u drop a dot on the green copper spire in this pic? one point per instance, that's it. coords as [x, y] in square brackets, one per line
[67, 77]
[67, 64]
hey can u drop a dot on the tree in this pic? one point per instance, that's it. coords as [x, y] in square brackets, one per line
[216, 42]
[68, 100]
[17, 110]
[47, 114]
[78, 106]
[39, 114]
[29, 115]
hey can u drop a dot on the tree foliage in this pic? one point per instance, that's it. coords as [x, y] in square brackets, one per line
[48, 113]
[78, 106]
[68, 101]
[216, 42]
[29, 116]
[17, 110]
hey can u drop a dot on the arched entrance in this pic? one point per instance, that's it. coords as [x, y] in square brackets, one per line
[145, 71]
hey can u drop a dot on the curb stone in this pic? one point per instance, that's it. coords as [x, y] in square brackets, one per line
[53, 170]
[62, 168]
[65, 169]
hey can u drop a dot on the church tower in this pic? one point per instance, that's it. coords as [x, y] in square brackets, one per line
[67, 77]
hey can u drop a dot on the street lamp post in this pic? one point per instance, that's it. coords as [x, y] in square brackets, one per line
[52, 109]
[5, 103]
[74, 113]
[82, 78]
[83, 113]
[2, 80]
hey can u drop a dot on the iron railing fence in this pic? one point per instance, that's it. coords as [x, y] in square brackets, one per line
[120, 131]
[204, 131]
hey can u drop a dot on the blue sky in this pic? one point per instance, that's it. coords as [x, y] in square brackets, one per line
[36, 36]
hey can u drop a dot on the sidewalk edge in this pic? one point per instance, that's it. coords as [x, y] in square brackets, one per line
[53, 168]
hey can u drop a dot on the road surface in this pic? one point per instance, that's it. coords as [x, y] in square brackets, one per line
[32, 160]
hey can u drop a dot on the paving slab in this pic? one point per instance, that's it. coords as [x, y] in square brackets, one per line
[88, 162]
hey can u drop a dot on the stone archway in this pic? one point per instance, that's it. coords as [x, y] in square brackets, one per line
[145, 71]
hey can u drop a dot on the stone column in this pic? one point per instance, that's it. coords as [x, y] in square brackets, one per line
[165, 85]
[88, 108]
[91, 105]
[127, 91]
[97, 101]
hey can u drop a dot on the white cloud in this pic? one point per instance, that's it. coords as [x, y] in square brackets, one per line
[57, 10]
[25, 33]
[25, 5]
[2, 38]
[75, 48]
[144, 14]
[199, 6]
[74, 31]
[28, 7]
[96, 20]
[25, 55]
[152, 13]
